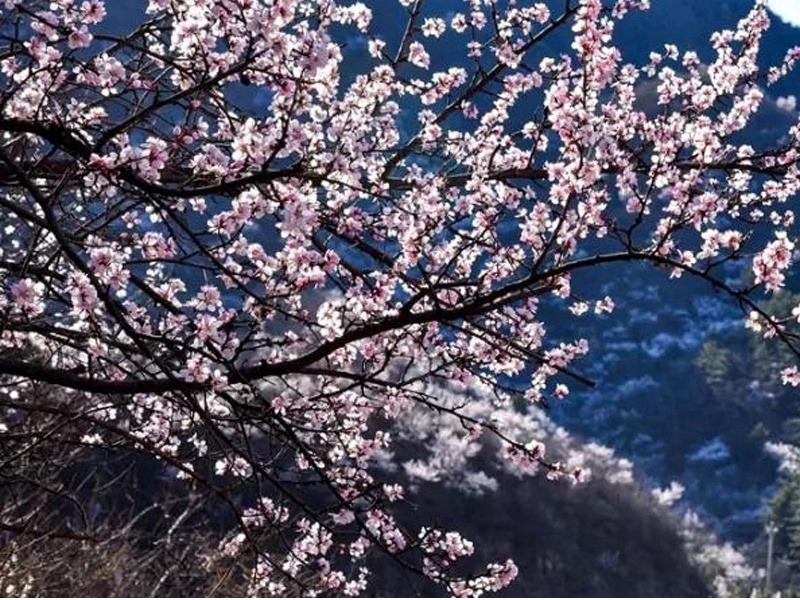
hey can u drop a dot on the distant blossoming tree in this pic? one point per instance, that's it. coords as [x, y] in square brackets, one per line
[254, 294]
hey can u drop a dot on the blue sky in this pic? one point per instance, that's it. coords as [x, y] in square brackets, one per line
[788, 10]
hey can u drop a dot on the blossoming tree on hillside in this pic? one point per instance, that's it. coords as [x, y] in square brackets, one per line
[253, 295]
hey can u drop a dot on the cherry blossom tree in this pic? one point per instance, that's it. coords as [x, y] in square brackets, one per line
[254, 295]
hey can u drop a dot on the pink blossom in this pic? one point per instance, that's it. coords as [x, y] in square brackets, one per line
[433, 27]
[27, 295]
[418, 56]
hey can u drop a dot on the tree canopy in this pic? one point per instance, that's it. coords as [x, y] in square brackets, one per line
[247, 238]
